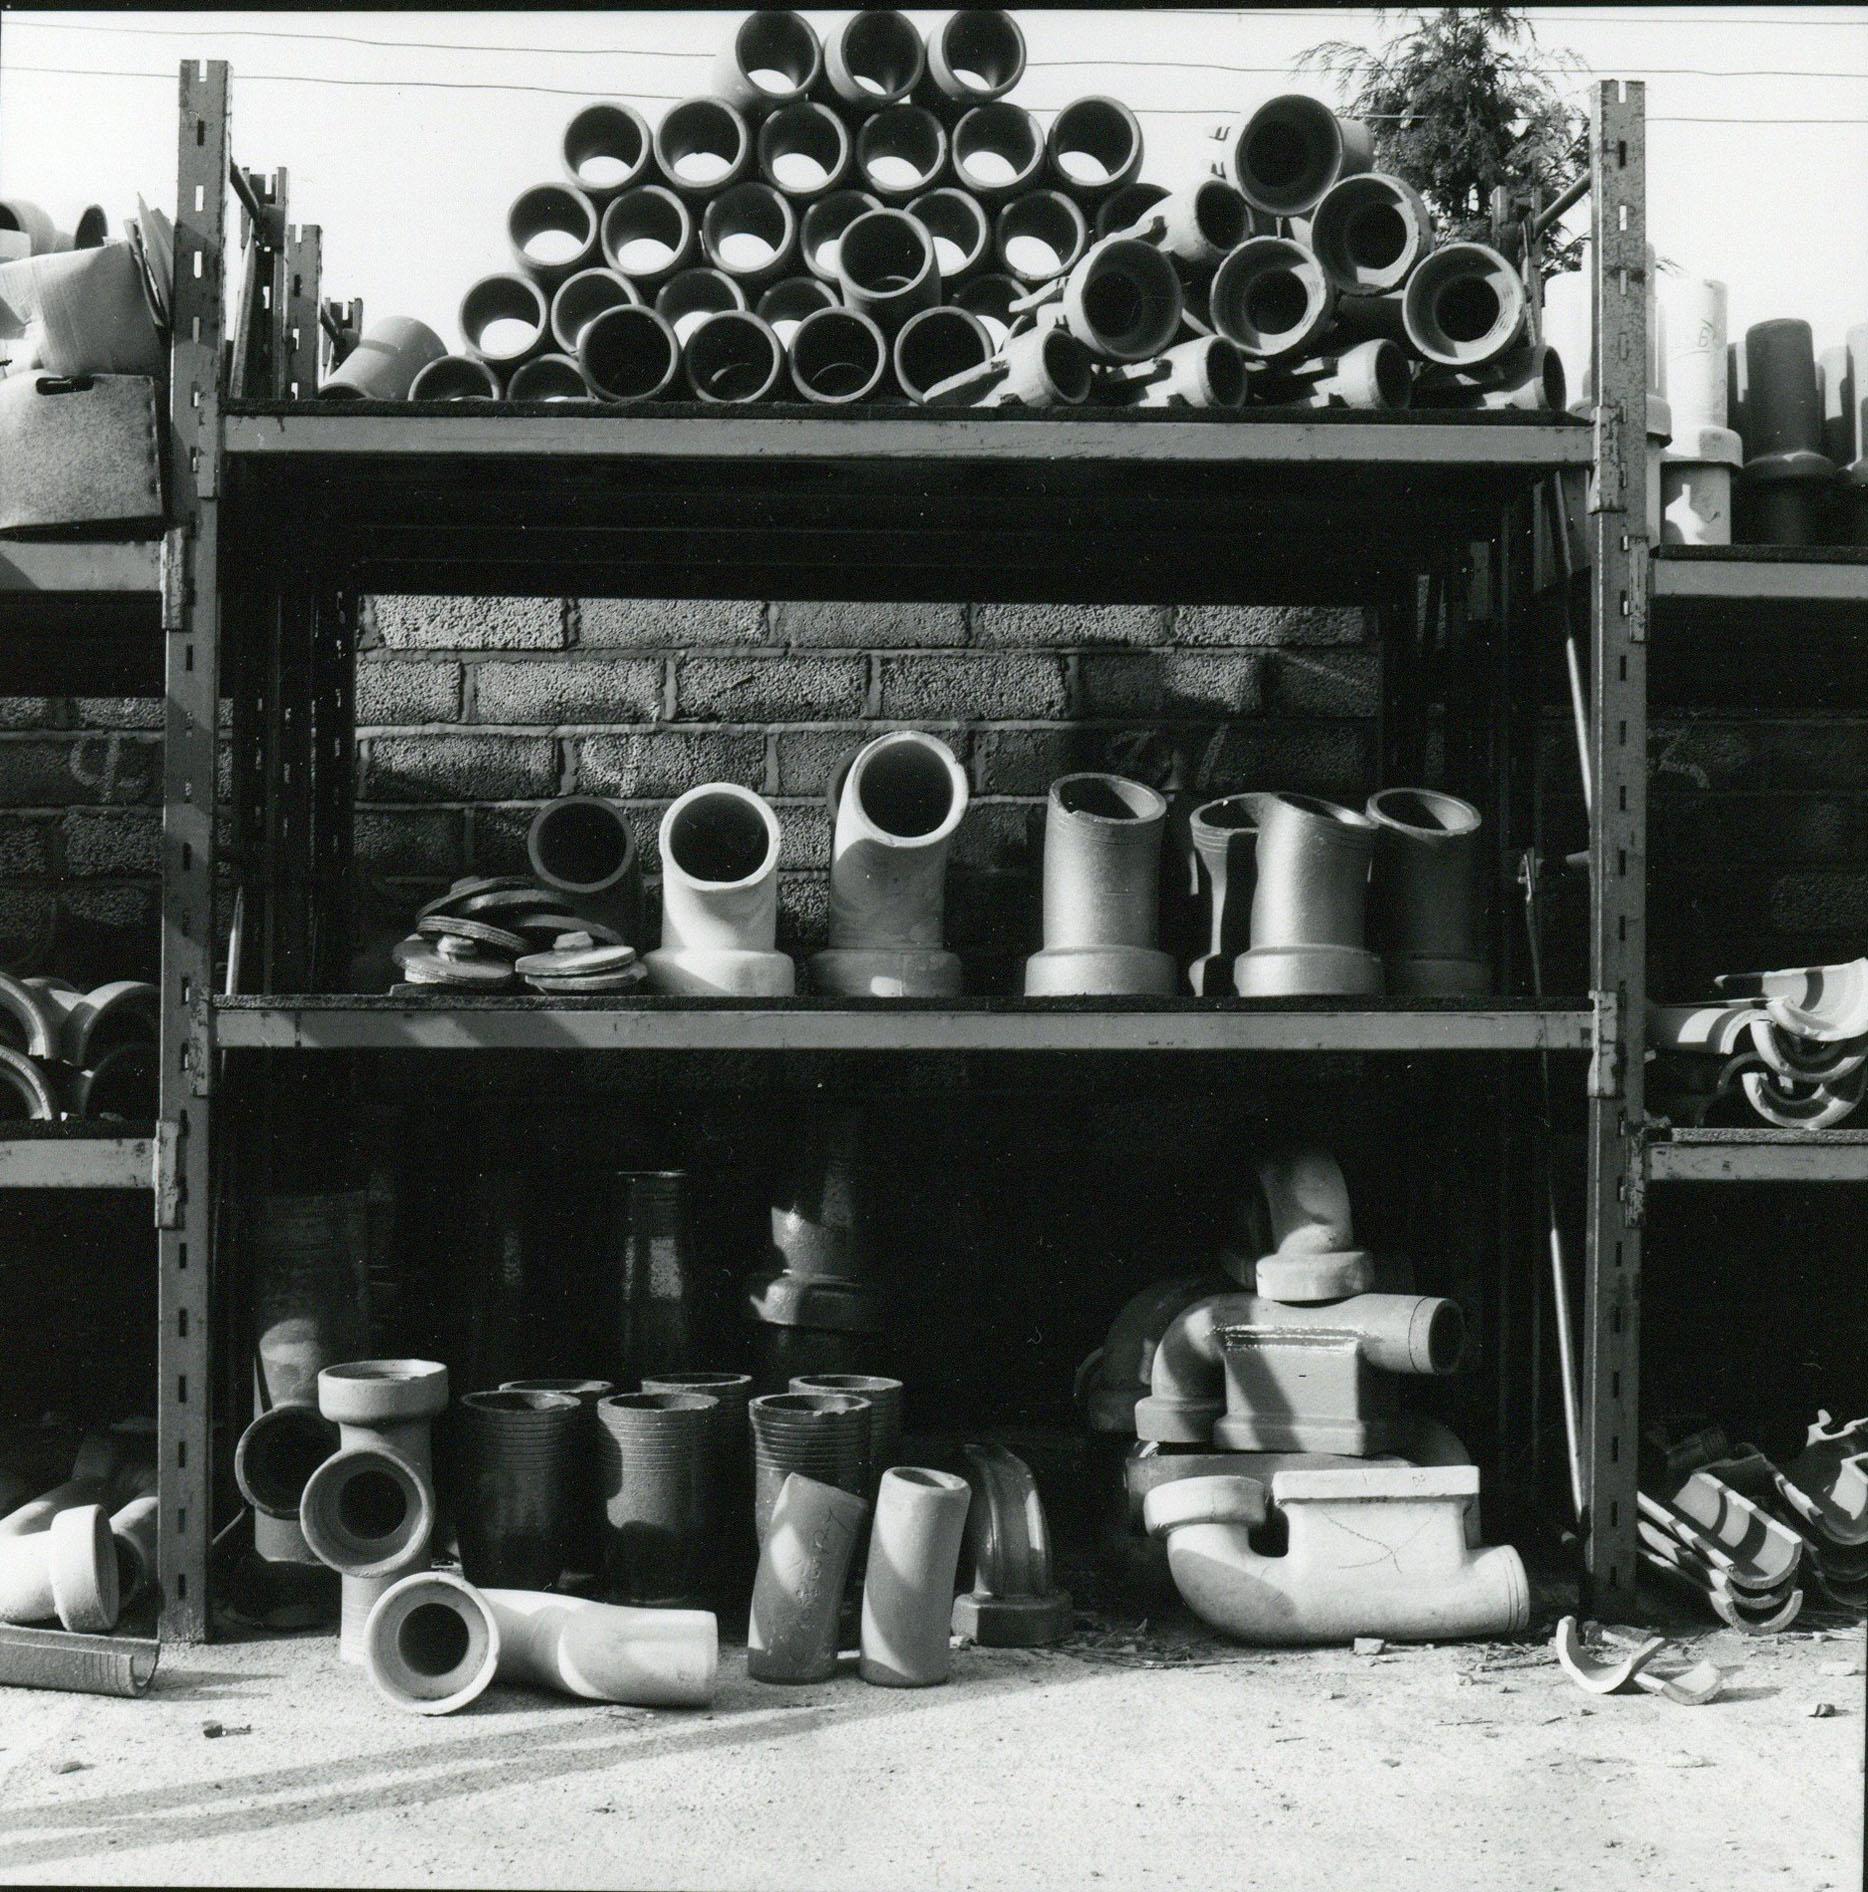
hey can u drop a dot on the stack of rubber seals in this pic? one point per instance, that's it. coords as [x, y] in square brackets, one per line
[502, 933]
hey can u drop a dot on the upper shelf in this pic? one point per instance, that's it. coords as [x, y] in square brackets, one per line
[1725, 588]
[77, 1156]
[1759, 1156]
[796, 502]
[80, 617]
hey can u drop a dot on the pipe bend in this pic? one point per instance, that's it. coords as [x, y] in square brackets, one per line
[1186, 1385]
[896, 804]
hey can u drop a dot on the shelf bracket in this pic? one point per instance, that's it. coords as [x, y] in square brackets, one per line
[177, 584]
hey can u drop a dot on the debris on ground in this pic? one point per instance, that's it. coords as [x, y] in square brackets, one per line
[1368, 1646]
[1822, 1710]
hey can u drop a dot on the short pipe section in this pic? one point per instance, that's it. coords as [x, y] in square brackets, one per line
[797, 1595]
[821, 228]
[733, 358]
[873, 59]
[696, 295]
[515, 1478]
[657, 1472]
[1094, 147]
[908, 1586]
[961, 230]
[787, 303]
[937, 345]
[580, 299]
[1310, 900]
[1291, 151]
[1040, 235]
[580, 847]
[384, 364]
[505, 320]
[887, 266]
[719, 849]
[976, 55]
[67, 1571]
[1122, 300]
[629, 354]
[838, 356]
[1040, 367]
[456, 378]
[1271, 298]
[607, 147]
[1224, 836]
[648, 236]
[1369, 233]
[1464, 306]
[702, 146]
[750, 234]
[804, 150]
[773, 58]
[998, 152]
[901, 152]
[1427, 893]
[548, 378]
[553, 230]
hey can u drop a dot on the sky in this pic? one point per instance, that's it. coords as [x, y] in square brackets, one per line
[1757, 142]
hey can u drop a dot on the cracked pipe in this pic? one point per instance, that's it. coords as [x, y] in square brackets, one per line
[719, 849]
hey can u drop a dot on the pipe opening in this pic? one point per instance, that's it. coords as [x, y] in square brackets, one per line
[1107, 798]
[514, 1399]
[1114, 303]
[122, 1084]
[548, 378]
[1446, 1337]
[606, 146]
[695, 1401]
[629, 354]
[885, 252]
[785, 305]
[1377, 236]
[905, 790]
[690, 296]
[997, 147]
[821, 234]
[989, 300]
[1278, 155]
[1094, 141]
[1422, 808]
[1323, 810]
[837, 355]
[1128, 204]
[983, 51]
[1068, 364]
[1220, 214]
[502, 316]
[432, 1640]
[552, 225]
[700, 142]
[936, 345]
[959, 229]
[1467, 309]
[279, 1453]
[1235, 814]
[733, 357]
[1276, 303]
[883, 54]
[1224, 368]
[901, 149]
[778, 53]
[803, 148]
[747, 229]
[455, 378]
[719, 838]
[1041, 235]
[583, 298]
[646, 230]
[372, 1505]
[1556, 395]
[1394, 380]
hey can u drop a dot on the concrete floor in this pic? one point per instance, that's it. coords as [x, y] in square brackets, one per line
[1150, 1758]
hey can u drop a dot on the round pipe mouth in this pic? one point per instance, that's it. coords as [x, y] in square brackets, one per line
[578, 1389]
[505, 1403]
[584, 297]
[580, 844]
[875, 59]
[553, 228]
[1127, 296]
[697, 1383]
[901, 152]
[1108, 798]
[820, 230]
[25, 1094]
[688, 299]
[122, 1084]
[658, 1401]
[92, 228]
[911, 791]
[455, 378]
[1068, 365]
[1437, 1339]
[1220, 214]
[1040, 235]
[998, 151]
[1221, 369]
[1394, 376]
[962, 235]
[785, 305]
[1332, 813]
[607, 148]
[749, 233]
[1369, 231]
[936, 345]
[629, 354]
[733, 357]
[1289, 154]
[1556, 383]
[1094, 146]
[721, 836]
[503, 319]
[702, 145]
[788, 1408]
[431, 1643]
[1270, 297]
[838, 355]
[1463, 306]
[885, 254]
[1127, 205]
[977, 55]
[366, 1513]
[648, 234]
[804, 150]
[776, 56]
[1230, 814]
[1424, 813]
[990, 298]
[548, 378]
[277, 1454]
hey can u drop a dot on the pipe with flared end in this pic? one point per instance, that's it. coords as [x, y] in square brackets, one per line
[1196, 228]
[1700, 463]
[1428, 893]
[1040, 236]
[274, 1459]
[787, 303]
[1094, 148]
[384, 364]
[1290, 152]
[1786, 477]
[895, 805]
[1102, 872]
[821, 228]
[901, 152]
[433, 1643]
[1271, 297]
[390, 1404]
[1528, 379]
[1375, 374]
[1013, 1604]
[1045, 367]
[553, 229]
[67, 1571]
[455, 378]
[935, 346]
[702, 146]
[773, 58]
[873, 59]
[961, 231]
[648, 236]
[1207, 372]
[580, 847]
[630, 354]
[1369, 232]
[732, 358]
[505, 320]
[976, 55]
[1122, 301]
[908, 1587]
[548, 378]
[804, 150]
[1313, 1254]
[998, 152]
[694, 296]
[580, 299]
[837, 356]
[1464, 307]
[797, 1596]
[1309, 903]
[370, 1515]
[1380, 1551]
[607, 148]
[887, 267]
[749, 233]
[719, 849]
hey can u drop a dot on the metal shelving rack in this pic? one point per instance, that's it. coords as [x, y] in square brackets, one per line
[286, 514]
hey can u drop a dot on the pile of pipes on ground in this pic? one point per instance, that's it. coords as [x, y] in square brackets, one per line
[1788, 1047]
[71, 1054]
[1251, 1446]
[871, 218]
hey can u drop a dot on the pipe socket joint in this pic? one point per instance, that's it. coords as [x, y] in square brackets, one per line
[1464, 306]
[1290, 152]
[1369, 232]
[1271, 298]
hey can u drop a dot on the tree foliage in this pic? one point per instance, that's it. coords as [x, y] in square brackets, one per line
[1459, 101]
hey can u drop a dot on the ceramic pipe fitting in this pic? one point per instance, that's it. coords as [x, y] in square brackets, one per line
[728, 1477]
[1313, 1254]
[1044, 367]
[503, 301]
[1372, 1552]
[1464, 306]
[108, 1469]
[1196, 227]
[961, 230]
[386, 1403]
[1701, 461]
[887, 267]
[370, 1515]
[433, 1643]
[744, 221]
[822, 1436]
[733, 358]
[455, 378]
[1271, 298]
[901, 152]
[1122, 212]
[719, 849]
[803, 151]
[583, 1544]
[1122, 301]
[1369, 232]
[975, 56]
[67, 1570]
[873, 59]
[548, 378]
[908, 1591]
[686, 300]
[774, 42]
[1786, 477]
[1094, 147]
[607, 149]
[514, 1474]
[1289, 153]
[1207, 372]
[885, 1412]
[656, 1453]
[31, 1020]
[1427, 890]
[1225, 850]
[821, 228]
[935, 347]
[1013, 1603]
[274, 1458]
[998, 152]
[702, 146]
[580, 847]
[133, 1530]
[629, 354]
[785, 305]
[25, 1091]
[1375, 374]
[797, 1595]
[1309, 900]
[1116, 1376]
[552, 210]
[384, 364]
[1040, 236]
[648, 236]
[838, 356]
[1527, 379]
[895, 806]
[580, 299]
[1102, 872]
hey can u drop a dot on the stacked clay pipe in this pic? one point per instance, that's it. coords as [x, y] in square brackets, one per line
[871, 217]
[66, 1054]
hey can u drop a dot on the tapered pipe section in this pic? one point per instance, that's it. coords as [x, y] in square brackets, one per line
[607, 149]
[1040, 235]
[838, 356]
[1528, 379]
[887, 267]
[548, 378]
[772, 59]
[1308, 907]
[797, 1595]
[990, 297]
[901, 152]
[732, 358]
[455, 378]
[804, 150]
[648, 236]
[749, 233]
[885, 1412]
[1094, 147]
[581, 848]
[583, 1543]
[998, 152]
[1102, 872]
[505, 320]
[961, 231]
[654, 1276]
[695, 296]
[1289, 152]
[937, 345]
[821, 228]
[580, 299]
[1369, 232]
[908, 1588]
[656, 1457]
[1374, 374]
[384, 364]
[1045, 367]
[974, 56]
[1428, 893]
[702, 146]
[553, 228]
[1225, 850]
[1786, 475]
[824, 1436]
[1207, 372]
[1464, 306]
[1122, 301]
[719, 849]
[630, 354]
[67, 1570]
[369, 1514]
[1196, 227]
[787, 303]
[515, 1480]
[1271, 299]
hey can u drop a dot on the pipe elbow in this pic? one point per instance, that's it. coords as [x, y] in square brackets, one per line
[1313, 1255]
[643, 1658]
[1186, 1384]
[67, 1571]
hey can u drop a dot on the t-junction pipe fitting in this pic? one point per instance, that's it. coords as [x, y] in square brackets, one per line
[872, 59]
[505, 320]
[1464, 306]
[961, 230]
[1309, 901]
[1369, 232]
[386, 1403]
[580, 299]
[1428, 893]
[629, 354]
[1225, 851]
[370, 1515]
[455, 378]
[1093, 148]
[384, 364]
[553, 228]
[772, 59]
[1102, 874]
[887, 267]
[804, 150]
[1271, 299]
[749, 233]
[580, 847]
[1786, 477]
[1039, 236]
[1013, 1604]
[837, 356]
[908, 1588]
[1289, 153]
[719, 849]
[976, 55]
[648, 236]
[895, 806]
[701, 147]
[65, 1569]
[733, 358]
[821, 228]
[901, 152]
[1207, 372]
[998, 152]
[797, 1595]
[607, 148]
[686, 300]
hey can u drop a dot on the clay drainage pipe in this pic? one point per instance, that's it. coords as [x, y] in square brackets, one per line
[1122, 210]
[825, 1436]
[772, 58]
[1309, 904]
[797, 1595]
[370, 1516]
[733, 358]
[990, 297]
[728, 1477]
[820, 230]
[433, 1643]
[607, 148]
[960, 229]
[901, 152]
[1369, 233]
[384, 364]
[583, 1547]
[687, 300]
[887, 266]
[1196, 228]
[580, 847]
[998, 152]
[515, 1472]
[804, 151]
[874, 58]
[719, 848]
[455, 378]
[838, 356]
[1428, 893]
[553, 228]
[937, 345]
[1289, 153]
[1374, 374]
[787, 303]
[629, 354]
[648, 236]
[908, 1591]
[749, 234]
[67, 1571]
[1040, 235]
[505, 320]
[976, 55]
[885, 1412]
[1225, 850]
[582, 298]
[1464, 306]
[1045, 367]
[1094, 147]
[1271, 298]
[1207, 372]
[701, 147]
[548, 378]
[656, 1458]
[1122, 301]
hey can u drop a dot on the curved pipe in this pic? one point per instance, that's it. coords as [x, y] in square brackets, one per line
[749, 234]
[1375, 374]
[1014, 1602]
[1794, 1106]
[1113, 1378]
[581, 299]
[1272, 298]
[548, 378]
[31, 1020]
[937, 345]
[975, 56]
[552, 210]
[821, 228]
[1464, 306]
[1039, 236]
[804, 1564]
[1291, 150]
[1379, 1551]
[121, 1013]
[120, 1084]
[1122, 301]
[648, 236]
[68, 1570]
[689, 299]
[908, 1582]
[998, 152]
[1527, 379]
[719, 848]
[901, 152]
[732, 358]
[896, 806]
[702, 146]
[873, 59]
[1094, 147]
[607, 148]
[108, 1469]
[1369, 232]
[25, 1091]
[962, 235]
[1427, 892]
[838, 355]
[455, 378]
[787, 303]
[384, 364]
[1313, 1254]
[502, 300]
[1309, 902]
[580, 846]
[133, 1530]
[770, 43]
[887, 266]
[42, 235]
[629, 354]
[804, 151]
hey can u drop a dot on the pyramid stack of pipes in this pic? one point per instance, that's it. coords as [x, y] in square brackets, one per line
[870, 217]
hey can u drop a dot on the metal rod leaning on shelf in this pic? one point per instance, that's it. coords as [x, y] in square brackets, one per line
[1618, 898]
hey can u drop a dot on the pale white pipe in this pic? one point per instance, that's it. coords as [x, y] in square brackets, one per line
[1204, 373]
[896, 806]
[68, 1570]
[719, 848]
[1699, 463]
[1313, 1254]
[133, 1537]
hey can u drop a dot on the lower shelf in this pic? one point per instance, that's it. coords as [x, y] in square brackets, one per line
[1759, 1156]
[77, 1156]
